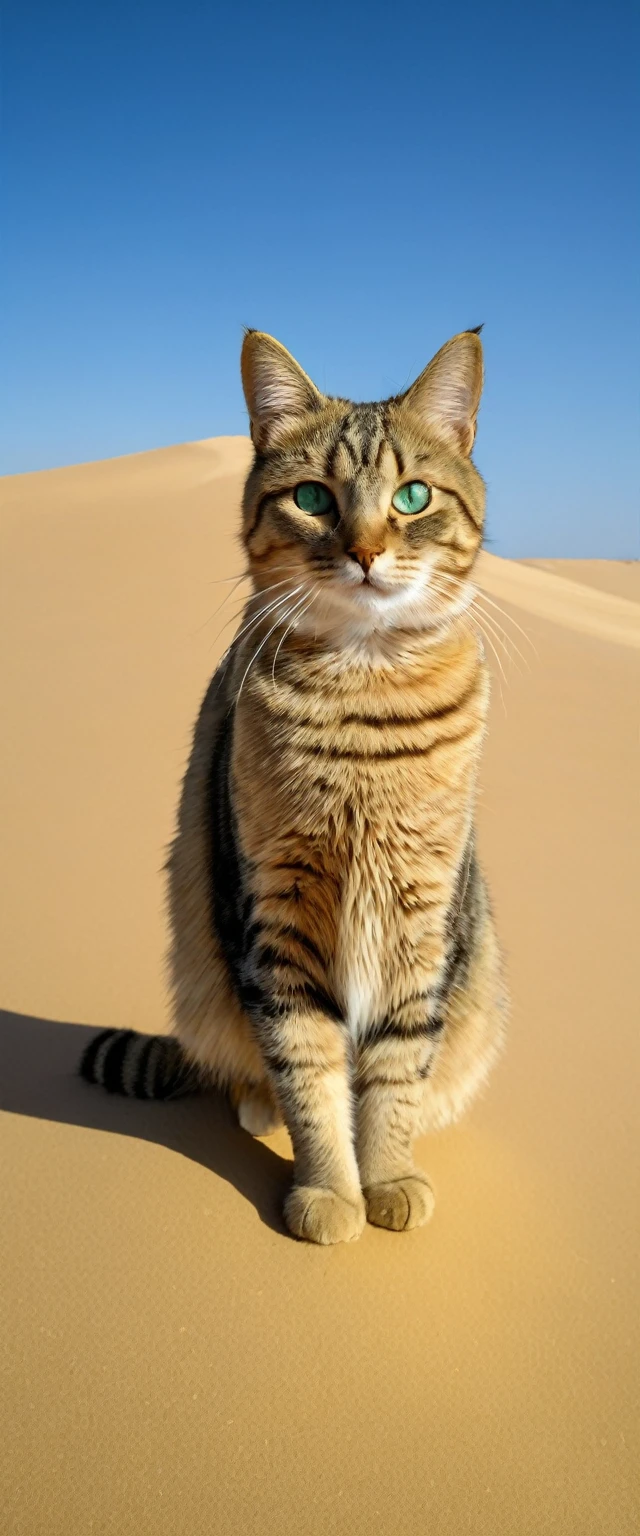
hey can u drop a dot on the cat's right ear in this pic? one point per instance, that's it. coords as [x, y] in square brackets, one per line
[277, 390]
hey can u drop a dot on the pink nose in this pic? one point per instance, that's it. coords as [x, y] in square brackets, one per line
[364, 556]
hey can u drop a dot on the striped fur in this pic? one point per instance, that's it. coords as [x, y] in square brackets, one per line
[333, 960]
[139, 1066]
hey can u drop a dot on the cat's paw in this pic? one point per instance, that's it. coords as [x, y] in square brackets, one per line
[259, 1115]
[401, 1204]
[321, 1216]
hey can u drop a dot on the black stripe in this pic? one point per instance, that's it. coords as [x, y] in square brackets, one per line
[255, 998]
[391, 1029]
[257, 516]
[324, 1003]
[88, 1059]
[271, 957]
[384, 443]
[376, 722]
[114, 1061]
[368, 437]
[283, 1064]
[389, 1082]
[477, 527]
[399, 456]
[163, 1070]
[278, 1064]
[155, 1059]
[330, 461]
[378, 757]
[288, 931]
[258, 999]
[345, 441]
[449, 490]
[139, 1089]
[298, 867]
[465, 913]
[230, 898]
[305, 993]
[252, 932]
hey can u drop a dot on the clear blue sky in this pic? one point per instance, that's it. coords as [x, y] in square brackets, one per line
[362, 180]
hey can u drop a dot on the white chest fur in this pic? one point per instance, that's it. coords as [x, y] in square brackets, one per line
[361, 936]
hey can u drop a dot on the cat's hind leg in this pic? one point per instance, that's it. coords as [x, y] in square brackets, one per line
[256, 1108]
[474, 1019]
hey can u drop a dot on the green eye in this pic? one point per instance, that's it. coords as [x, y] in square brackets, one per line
[313, 497]
[413, 497]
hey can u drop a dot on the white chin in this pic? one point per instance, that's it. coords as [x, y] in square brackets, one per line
[370, 589]
[363, 607]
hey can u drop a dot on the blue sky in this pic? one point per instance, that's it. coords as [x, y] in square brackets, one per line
[361, 180]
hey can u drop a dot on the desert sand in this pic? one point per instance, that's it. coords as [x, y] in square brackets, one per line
[172, 1362]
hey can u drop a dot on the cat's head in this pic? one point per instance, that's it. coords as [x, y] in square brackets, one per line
[363, 519]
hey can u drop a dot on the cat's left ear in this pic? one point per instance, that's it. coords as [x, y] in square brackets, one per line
[447, 395]
[277, 390]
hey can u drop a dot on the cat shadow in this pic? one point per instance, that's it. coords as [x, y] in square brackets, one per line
[39, 1077]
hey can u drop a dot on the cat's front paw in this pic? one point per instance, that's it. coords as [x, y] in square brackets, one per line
[321, 1216]
[400, 1204]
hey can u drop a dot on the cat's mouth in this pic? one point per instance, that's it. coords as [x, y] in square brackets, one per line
[371, 586]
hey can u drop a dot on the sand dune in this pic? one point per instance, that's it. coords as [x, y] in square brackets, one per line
[621, 577]
[569, 602]
[172, 1361]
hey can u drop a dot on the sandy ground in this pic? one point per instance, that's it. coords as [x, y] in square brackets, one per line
[621, 577]
[172, 1362]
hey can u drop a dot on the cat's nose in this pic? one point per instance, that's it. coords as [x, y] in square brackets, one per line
[364, 555]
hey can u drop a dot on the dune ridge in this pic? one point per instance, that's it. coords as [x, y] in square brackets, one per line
[560, 600]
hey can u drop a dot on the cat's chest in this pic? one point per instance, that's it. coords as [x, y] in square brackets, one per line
[394, 891]
[364, 930]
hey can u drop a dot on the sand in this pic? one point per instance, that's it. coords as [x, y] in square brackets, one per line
[172, 1362]
[621, 577]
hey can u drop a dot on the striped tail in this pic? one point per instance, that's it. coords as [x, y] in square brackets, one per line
[139, 1066]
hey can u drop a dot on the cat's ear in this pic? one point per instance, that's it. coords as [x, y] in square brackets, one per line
[447, 395]
[276, 388]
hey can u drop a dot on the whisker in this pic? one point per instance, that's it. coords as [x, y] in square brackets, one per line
[220, 606]
[479, 592]
[267, 608]
[509, 618]
[233, 617]
[505, 640]
[288, 631]
[480, 598]
[490, 643]
[497, 634]
[281, 620]
[217, 581]
[507, 643]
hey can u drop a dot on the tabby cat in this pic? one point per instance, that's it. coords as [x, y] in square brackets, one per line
[334, 963]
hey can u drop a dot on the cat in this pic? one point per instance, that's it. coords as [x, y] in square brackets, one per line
[334, 964]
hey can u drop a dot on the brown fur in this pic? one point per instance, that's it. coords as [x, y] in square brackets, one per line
[333, 959]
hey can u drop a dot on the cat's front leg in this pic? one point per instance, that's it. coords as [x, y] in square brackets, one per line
[307, 1056]
[394, 1061]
